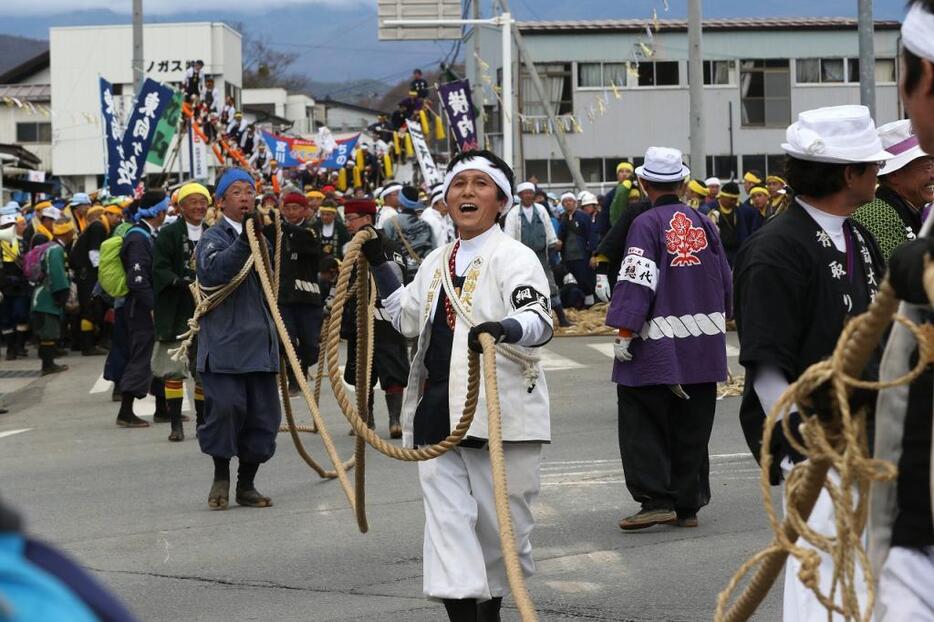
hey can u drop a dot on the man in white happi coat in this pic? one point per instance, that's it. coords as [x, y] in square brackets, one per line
[500, 289]
[442, 230]
[389, 195]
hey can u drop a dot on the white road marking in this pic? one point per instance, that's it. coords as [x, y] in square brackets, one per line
[13, 432]
[552, 361]
[606, 349]
[574, 587]
[145, 407]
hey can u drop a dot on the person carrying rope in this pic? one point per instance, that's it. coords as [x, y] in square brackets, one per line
[238, 350]
[798, 281]
[498, 288]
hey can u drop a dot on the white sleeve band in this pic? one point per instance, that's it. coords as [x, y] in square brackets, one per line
[535, 330]
[95, 258]
[769, 383]
[639, 270]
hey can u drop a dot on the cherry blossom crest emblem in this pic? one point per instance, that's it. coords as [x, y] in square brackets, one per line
[683, 240]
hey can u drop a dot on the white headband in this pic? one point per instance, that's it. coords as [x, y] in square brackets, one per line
[526, 185]
[918, 32]
[568, 195]
[389, 189]
[478, 163]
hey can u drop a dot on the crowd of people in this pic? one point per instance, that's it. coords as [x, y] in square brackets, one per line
[791, 258]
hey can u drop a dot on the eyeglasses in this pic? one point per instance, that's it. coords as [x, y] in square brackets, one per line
[236, 193]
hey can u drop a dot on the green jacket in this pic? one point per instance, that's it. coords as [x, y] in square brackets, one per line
[173, 269]
[887, 223]
[56, 281]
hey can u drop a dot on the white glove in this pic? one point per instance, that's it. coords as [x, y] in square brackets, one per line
[602, 289]
[621, 350]
[569, 279]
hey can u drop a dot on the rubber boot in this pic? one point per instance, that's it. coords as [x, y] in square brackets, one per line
[175, 418]
[394, 406]
[47, 354]
[20, 343]
[157, 390]
[115, 395]
[199, 405]
[126, 418]
[88, 348]
[562, 318]
[10, 340]
[488, 611]
[461, 610]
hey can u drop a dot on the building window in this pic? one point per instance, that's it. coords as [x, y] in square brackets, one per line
[592, 170]
[766, 93]
[885, 71]
[33, 132]
[548, 171]
[775, 165]
[828, 70]
[722, 166]
[556, 80]
[754, 163]
[601, 75]
[719, 72]
[660, 73]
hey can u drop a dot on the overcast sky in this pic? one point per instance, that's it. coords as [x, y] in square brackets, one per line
[336, 39]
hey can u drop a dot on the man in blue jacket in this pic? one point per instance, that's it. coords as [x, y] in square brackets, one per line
[238, 351]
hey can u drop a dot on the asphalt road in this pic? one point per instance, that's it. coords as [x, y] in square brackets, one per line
[132, 507]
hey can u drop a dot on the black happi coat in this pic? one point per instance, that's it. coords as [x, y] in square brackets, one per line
[793, 293]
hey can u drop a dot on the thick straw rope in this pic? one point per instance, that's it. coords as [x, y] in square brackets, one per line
[838, 443]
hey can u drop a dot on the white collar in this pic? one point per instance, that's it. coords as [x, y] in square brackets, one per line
[238, 226]
[194, 231]
[831, 223]
[471, 248]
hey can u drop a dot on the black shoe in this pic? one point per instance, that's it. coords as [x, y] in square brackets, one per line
[178, 431]
[488, 611]
[115, 395]
[648, 518]
[53, 368]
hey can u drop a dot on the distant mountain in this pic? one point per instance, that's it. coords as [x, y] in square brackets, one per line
[15, 50]
[350, 91]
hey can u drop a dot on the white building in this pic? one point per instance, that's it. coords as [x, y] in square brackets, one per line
[341, 117]
[616, 100]
[80, 55]
[278, 108]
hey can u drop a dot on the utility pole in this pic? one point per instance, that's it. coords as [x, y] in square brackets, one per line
[478, 120]
[137, 42]
[573, 164]
[867, 58]
[696, 91]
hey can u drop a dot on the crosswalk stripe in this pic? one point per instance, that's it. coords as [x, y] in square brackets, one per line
[145, 407]
[13, 432]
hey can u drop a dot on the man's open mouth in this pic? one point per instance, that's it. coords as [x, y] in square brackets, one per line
[468, 208]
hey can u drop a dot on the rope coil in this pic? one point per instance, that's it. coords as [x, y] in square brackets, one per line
[838, 443]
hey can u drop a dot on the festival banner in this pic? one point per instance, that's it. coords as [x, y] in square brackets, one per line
[430, 172]
[127, 150]
[455, 97]
[290, 152]
[197, 155]
[340, 154]
[165, 130]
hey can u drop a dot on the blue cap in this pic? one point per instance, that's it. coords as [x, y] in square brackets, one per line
[80, 198]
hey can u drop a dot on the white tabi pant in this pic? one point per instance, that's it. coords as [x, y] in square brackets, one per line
[800, 604]
[463, 558]
[906, 587]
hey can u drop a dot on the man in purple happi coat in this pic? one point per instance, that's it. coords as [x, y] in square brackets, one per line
[670, 304]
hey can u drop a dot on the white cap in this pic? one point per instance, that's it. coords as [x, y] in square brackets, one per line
[899, 140]
[526, 185]
[713, 181]
[663, 164]
[51, 212]
[568, 195]
[835, 134]
[587, 198]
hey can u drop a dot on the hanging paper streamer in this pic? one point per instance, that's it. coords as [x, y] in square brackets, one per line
[342, 179]
[423, 119]
[409, 148]
[395, 144]
[357, 177]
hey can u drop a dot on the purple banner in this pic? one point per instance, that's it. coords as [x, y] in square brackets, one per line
[455, 97]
